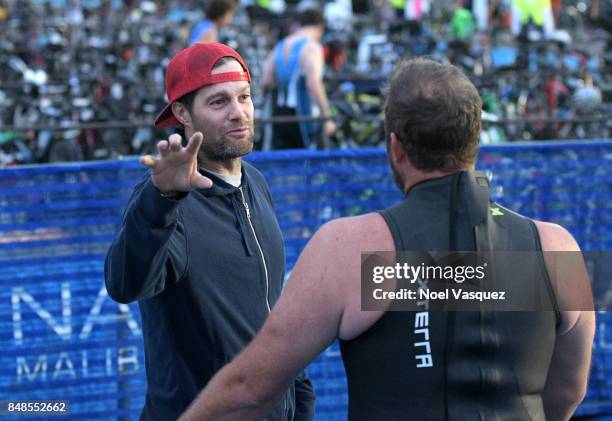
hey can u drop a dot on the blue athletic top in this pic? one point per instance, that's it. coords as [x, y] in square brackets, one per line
[291, 84]
[202, 26]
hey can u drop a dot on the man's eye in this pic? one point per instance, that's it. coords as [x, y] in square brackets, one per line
[217, 102]
[244, 97]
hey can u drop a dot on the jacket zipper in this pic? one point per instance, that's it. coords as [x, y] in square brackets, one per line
[263, 259]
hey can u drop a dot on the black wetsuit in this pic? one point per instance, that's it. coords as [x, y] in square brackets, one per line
[461, 365]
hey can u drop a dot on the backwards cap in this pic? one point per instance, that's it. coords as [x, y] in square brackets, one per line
[191, 69]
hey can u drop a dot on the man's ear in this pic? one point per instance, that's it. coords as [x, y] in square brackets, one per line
[397, 153]
[181, 113]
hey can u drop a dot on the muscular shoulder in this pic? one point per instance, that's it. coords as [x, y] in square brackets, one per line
[313, 46]
[555, 238]
[312, 50]
[333, 254]
[568, 270]
[357, 234]
[342, 242]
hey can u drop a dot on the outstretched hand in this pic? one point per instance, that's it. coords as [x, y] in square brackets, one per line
[175, 170]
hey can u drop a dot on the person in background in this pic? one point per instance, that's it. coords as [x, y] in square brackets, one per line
[481, 11]
[295, 68]
[463, 23]
[218, 14]
[532, 15]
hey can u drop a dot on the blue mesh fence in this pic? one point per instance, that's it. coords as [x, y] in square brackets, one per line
[62, 337]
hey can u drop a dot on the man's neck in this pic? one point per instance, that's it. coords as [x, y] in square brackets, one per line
[418, 177]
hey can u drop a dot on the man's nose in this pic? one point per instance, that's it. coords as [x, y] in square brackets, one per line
[237, 110]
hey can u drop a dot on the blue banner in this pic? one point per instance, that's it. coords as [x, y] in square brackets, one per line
[63, 338]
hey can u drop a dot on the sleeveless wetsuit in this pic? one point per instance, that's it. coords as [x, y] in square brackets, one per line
[463, 365]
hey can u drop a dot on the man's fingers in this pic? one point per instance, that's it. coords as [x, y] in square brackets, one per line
[148, 160]
[195, 141]
[201, 182]
[163, 147]
[175, 142]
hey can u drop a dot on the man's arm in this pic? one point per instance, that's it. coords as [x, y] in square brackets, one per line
[313, 63]
[567, 380]
[149, 252]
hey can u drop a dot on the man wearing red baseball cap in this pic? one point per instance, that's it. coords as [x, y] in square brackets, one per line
[200, 248]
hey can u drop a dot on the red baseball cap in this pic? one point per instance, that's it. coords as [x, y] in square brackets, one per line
[191, 69]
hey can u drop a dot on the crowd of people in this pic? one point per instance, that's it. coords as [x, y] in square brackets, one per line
[97, 66]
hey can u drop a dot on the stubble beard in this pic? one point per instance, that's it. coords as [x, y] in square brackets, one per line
[225, 148]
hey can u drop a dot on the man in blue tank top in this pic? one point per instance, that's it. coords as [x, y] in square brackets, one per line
[295, 69]
[425, 365]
